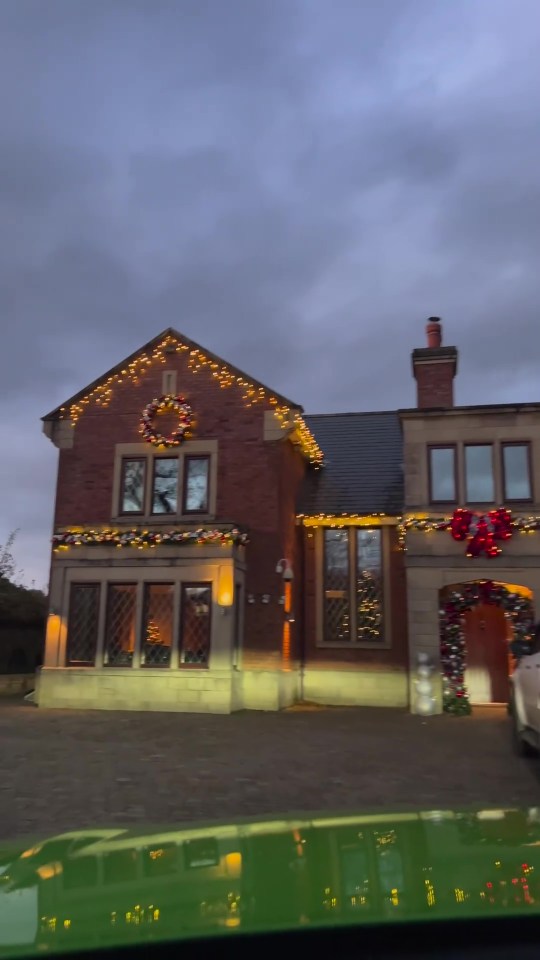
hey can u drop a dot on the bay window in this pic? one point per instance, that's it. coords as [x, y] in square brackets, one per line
[195, 623]
[153, 624]
[83, 624]
[158, 610]
[353, 597]
[120, 626]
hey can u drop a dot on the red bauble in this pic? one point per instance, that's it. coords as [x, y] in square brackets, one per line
[460, 523]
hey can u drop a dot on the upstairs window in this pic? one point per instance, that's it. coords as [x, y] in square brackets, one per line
[479, 477]
[165, 485]
[516, 471]
[196, 477]
[132, 486]
[442, 474]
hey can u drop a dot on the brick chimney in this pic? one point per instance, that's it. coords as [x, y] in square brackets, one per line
[434, 368]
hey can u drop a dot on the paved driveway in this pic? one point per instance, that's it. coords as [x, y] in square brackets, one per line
[64, 770]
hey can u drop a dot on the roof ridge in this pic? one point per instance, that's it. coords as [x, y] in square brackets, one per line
[355, 413]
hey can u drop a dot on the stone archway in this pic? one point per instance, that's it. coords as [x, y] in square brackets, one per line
[457, 601]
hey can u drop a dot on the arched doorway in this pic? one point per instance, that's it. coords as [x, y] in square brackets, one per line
[481, 623]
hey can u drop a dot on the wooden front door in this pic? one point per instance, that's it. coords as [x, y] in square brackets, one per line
[486, 639]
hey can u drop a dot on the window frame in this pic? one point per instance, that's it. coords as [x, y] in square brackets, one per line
[468, 501]
[131, 459]
[517, 443]
[189, 458]
[349, 590]
[146, 588]
[354, 585]
[143, 451]
[385, 643]
[82, 664]
[184, 586]
[155, 458]
[443, 446]
[110, 585]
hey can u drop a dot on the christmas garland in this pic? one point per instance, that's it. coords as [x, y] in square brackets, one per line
[481, 531]
[517, 608]
[162, 405]
[146, 538]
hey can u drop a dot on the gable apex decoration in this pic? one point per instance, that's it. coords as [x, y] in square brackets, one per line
[133, 368]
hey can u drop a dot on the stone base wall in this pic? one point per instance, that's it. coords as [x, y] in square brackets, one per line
[217, 691]
[16, 684]
[356, 687]
[187, 691]
[266, 689]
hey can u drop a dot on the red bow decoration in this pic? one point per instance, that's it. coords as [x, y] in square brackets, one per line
[482, 530]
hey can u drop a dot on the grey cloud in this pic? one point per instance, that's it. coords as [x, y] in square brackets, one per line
[293, 183]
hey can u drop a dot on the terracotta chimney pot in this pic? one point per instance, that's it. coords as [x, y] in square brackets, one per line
[434, 333]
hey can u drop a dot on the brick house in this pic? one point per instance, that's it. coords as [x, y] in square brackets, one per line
[210, 575]
[265, 557]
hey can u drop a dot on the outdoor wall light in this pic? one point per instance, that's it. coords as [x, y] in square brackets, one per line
[225, 588]
[284, 567]
[265, 598]
[251, 598]
[290, 618]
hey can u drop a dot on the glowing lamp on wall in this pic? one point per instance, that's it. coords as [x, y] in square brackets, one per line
[225, 590]
[53, 632]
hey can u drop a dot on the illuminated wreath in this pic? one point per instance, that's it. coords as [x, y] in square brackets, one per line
[161, 405]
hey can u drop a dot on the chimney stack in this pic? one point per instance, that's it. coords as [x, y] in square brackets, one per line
[434, 368]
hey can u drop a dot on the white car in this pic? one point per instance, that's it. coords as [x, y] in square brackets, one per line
[525, 700]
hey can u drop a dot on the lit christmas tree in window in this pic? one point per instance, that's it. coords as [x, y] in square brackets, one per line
[152, 633]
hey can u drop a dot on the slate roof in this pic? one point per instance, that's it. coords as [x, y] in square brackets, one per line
[363, 473]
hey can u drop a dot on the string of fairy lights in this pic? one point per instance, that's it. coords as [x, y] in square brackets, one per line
[423, 524]
[419, 523]
[101, 394]
[139, 539]
[134, 537]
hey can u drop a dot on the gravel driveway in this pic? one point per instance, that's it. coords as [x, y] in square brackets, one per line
[65, 770]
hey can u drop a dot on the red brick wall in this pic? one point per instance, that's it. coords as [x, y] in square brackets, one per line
[257, 482]
[358, 658]
[435, 384]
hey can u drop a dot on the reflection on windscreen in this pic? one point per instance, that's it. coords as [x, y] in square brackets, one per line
[109, 887]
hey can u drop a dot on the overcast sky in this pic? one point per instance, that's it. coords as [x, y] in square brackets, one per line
[296, 185]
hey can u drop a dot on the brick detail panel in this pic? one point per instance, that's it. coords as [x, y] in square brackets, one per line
[435, 384]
